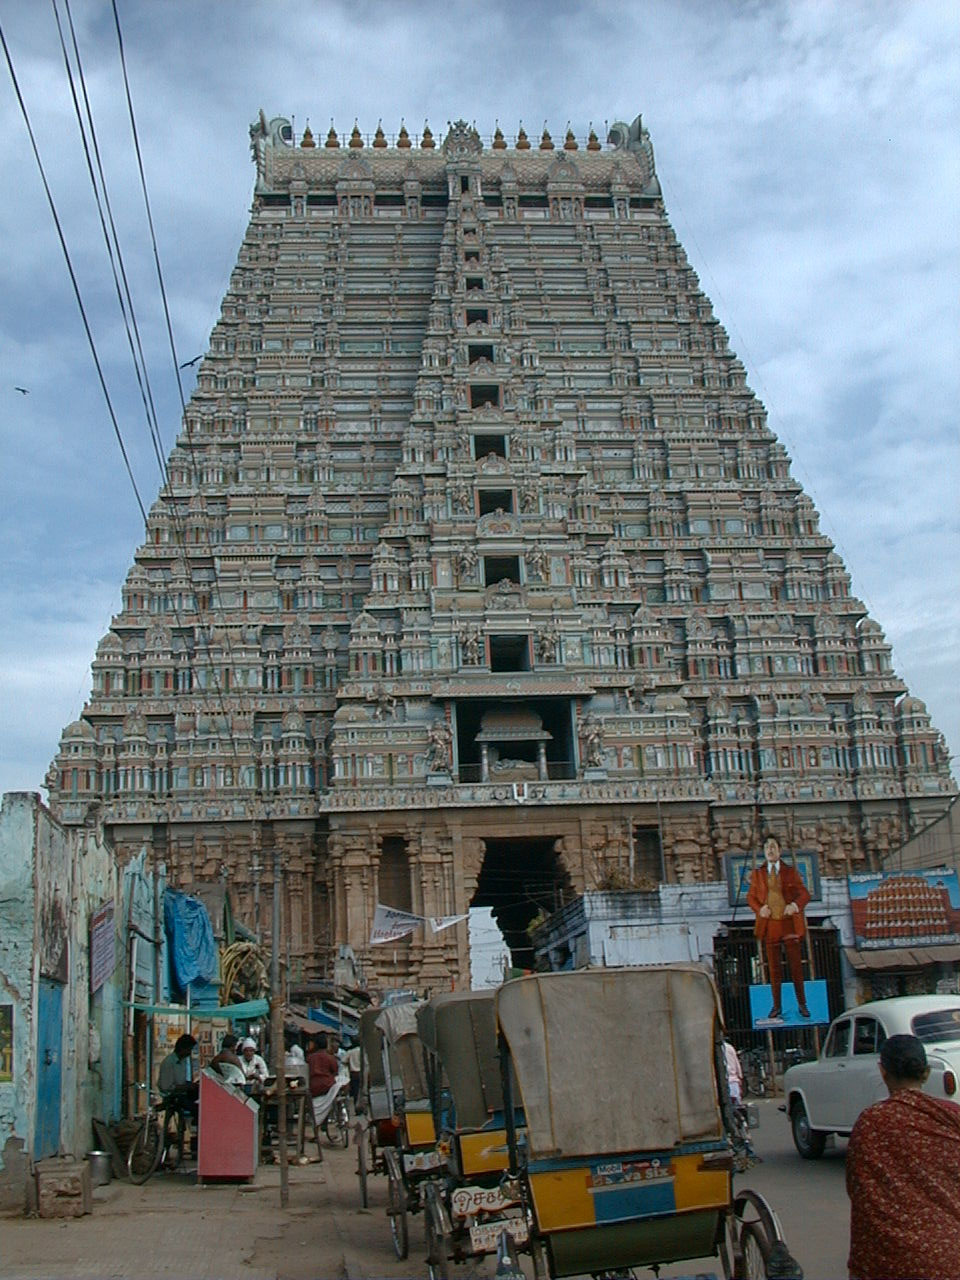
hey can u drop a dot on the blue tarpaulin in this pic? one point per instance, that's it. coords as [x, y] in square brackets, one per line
[192, 947]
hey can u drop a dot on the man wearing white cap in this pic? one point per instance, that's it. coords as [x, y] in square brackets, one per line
[254, 1067]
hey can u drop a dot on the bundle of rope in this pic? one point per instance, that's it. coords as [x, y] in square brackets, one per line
[243, 972]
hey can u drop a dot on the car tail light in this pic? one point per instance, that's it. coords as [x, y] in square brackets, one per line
[949, 1083]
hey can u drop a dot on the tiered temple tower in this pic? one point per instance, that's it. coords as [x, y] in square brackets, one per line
[479, 576]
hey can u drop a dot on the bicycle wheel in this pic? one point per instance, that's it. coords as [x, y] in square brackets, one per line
[337, 1125]
[145, 1151]
[397, 1212]
[438, 1263]
[756, 1251]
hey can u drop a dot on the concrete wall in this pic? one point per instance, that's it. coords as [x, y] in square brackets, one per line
[935, 846]
[17, 911]
[51, 881]
[91, 1022]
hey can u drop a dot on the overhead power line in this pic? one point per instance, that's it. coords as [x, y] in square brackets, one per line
[88, 137]
[73, 275]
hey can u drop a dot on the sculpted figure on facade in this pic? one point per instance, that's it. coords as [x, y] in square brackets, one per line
[440, 745]
[529, 495]
[538, 564]
[547, 645]
[592, 742]
[466, 562]
[470, 646]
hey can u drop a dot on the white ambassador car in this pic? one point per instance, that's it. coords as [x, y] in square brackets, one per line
[827, 1095]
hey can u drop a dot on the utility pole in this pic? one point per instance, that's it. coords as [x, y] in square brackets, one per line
[276, 1030]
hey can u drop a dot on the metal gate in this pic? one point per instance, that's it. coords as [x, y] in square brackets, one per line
[736, 963]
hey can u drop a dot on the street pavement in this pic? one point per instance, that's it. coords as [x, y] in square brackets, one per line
[172, 1228]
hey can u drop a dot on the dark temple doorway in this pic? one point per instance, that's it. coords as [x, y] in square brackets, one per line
[520, 880]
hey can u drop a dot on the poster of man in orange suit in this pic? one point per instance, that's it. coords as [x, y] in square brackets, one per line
[777, 897]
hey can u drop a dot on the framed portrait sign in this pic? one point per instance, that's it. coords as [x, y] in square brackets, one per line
[738, 867]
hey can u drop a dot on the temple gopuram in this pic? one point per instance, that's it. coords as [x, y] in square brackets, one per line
[479, 577]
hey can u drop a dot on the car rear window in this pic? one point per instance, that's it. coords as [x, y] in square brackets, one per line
[940, 1024]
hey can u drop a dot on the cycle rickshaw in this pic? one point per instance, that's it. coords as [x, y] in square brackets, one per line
[412, 1158]
[627, 1156]
[465, 1206]
[378, 1128]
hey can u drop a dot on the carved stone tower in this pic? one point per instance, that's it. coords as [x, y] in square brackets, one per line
[480, 577]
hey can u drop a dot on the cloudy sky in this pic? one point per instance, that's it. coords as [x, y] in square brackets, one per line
[808, 152]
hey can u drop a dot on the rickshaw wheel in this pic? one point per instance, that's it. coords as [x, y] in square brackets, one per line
[438, 1264]
[362, 1168]
[756, 1251]
[397, 1211]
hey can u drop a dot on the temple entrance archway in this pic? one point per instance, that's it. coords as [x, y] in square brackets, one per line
[520, 879]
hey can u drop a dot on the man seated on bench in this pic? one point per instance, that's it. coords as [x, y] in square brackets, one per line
[173, 1078]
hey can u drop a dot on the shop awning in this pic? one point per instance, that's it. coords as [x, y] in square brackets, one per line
[307, 1025]
[902, 957]
[248, 1010]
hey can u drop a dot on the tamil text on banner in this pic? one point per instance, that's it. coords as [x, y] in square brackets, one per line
[389, 924]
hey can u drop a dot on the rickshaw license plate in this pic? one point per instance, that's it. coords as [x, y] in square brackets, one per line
[467, 1201]
[419, 1161]
[484, 1235]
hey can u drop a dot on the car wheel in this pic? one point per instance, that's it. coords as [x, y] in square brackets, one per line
[809, 1142]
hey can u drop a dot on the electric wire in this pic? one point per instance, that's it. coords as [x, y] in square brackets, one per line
[73, 276]
[128, 312]
[110, 238]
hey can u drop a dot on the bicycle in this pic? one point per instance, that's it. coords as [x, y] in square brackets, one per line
[158, 1141]
[744, 1155]
[336, 1123]
[755, 1072]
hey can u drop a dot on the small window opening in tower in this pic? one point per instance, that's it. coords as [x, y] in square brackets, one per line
[647, 854]
[490, 500]
[474, 282]
[483, 446]
[464, 184]
[470, 231]
[394, 874]
[483, 393]
[471, 255]
[480, 351]
[498, 568]
[478, 315]
[509, 653]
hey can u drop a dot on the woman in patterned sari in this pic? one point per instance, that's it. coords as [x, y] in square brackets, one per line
[903, 1176]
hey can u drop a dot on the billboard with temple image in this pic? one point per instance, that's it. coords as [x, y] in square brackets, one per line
[905, 909]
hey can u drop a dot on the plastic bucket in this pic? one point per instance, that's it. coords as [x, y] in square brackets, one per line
[101, 1167]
